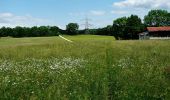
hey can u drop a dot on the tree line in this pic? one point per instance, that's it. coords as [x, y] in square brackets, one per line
[122, 28]
[29, 32]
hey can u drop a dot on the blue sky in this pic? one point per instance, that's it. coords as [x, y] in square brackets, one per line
[61, 12]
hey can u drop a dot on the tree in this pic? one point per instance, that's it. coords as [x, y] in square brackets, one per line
[34, 31]
[101, 31]
[19, 32]
[109, 30]
[119, 26]
[72, 28]
[6, 31]
[168, 19]
[133, 27]
[43, 30]
[157, 18]
[54, 30]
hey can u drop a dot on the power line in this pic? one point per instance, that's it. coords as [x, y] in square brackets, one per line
[87, 24]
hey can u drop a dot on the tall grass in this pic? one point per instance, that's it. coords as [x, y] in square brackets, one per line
[97, 68]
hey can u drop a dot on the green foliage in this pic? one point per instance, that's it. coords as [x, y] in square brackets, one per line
[157, 18]
[119, 26]
[127, 28]
[91, 68]
[108, 30]
[19, 31]
[133, 27]
[29, 32]
[6, 31]
[72, 28]
[54, 30]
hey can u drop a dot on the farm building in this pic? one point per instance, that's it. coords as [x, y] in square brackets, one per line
[156, 33]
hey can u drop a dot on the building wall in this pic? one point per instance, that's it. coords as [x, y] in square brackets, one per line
[160, 34]
[159, 38]
[143, 36]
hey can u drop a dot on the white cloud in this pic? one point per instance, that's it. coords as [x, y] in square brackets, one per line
[6, 15]
[91, 12]
[11, 20]
[97, 13]
[149, 4]
[77, 14]
[102, 23]
[119, 12]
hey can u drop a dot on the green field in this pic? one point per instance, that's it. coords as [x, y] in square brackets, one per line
[90, 68]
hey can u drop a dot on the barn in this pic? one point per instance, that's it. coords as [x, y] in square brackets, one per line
[156, 33]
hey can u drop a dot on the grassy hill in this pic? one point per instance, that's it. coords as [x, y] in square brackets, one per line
[92, 67]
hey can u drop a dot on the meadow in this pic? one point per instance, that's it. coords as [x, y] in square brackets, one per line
[90, 68]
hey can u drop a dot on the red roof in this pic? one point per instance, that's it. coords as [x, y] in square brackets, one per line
[156, 29]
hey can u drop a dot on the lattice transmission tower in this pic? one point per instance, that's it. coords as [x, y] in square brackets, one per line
[87, 24]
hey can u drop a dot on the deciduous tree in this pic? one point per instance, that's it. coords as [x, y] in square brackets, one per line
[157, 18]
[72, 28]
[119, 26]
[133, 27]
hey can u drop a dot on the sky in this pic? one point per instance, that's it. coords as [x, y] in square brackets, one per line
[61, 12]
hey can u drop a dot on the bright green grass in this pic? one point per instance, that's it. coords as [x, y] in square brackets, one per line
[92, 67]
